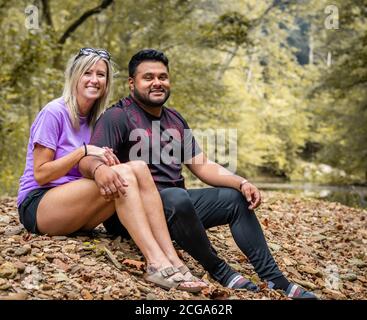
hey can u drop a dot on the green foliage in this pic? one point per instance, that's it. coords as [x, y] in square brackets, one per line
[342, 95]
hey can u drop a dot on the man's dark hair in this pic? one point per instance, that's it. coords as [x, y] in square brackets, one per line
[146, 55]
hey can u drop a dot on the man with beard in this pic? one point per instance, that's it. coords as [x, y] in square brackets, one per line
[141, 127]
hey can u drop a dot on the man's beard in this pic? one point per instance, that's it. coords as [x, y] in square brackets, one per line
[149, 103]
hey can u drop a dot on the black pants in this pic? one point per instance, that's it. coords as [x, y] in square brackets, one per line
[190, 212]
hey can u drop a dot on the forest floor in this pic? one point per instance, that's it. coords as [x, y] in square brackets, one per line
[319, 245]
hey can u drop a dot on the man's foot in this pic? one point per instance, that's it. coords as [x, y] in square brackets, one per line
[292, 290]
[296, 292]
[238, 282]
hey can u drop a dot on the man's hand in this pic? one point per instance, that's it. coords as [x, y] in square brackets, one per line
[109, 182]
[106, 154]
[252, 195]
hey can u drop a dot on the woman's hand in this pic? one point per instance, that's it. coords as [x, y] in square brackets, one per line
[106, 154]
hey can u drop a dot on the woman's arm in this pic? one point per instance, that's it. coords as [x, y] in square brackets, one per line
[47, 169]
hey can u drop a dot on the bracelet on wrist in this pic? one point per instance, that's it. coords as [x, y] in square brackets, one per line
[244, 181]
[95, 169]
[85, 149]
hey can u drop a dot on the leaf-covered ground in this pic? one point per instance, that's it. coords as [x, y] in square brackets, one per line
[320, 245]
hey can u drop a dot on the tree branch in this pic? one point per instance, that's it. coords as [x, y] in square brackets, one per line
[46, 12]
[82, 18]
[257, 21]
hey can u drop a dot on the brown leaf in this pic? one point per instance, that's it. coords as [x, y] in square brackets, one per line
[15, 296]
[60, 264]
[242, 259]
[8, 270]
[135, 264]
[86, 277]
[180, 254]
[112, 258]
[289, 262]
[306, 284]
[206, 292]
[219, 294]
[309, 270]
[90, 262]
[86, 294]
[28, 236]
[334, 294]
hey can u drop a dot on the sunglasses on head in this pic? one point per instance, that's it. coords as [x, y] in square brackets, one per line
[87, 51]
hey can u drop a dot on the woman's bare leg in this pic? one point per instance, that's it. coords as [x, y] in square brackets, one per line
[79, 205]
[132, 215]
[154, 209]
[69, 207]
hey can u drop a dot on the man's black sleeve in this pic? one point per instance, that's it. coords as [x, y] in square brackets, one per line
[110, 129]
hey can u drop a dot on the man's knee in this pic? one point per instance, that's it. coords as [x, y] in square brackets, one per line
[177, 200]
[231, 195]
[234, 201]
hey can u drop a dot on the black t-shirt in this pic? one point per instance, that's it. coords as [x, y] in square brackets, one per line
[164, 142]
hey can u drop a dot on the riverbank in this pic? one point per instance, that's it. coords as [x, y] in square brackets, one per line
[318, 244]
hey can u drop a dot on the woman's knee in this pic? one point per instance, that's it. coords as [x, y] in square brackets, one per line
[137, 165]
[126, 172]
[140, 169]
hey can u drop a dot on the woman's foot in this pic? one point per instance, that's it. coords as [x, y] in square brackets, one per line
[185, 271]
[171, 277]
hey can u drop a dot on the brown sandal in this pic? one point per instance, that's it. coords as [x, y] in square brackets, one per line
[168, 278]
[185, 271]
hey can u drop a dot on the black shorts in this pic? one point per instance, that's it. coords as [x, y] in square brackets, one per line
[28, 209]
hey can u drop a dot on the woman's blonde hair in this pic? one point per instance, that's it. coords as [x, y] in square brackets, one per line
[76, 67]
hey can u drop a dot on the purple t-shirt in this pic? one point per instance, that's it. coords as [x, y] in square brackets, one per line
[52, 128]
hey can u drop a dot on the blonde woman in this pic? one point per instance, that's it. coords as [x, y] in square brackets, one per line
[54, 198]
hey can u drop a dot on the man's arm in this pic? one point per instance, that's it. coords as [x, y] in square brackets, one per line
[215, 175]
[109, 182]
[88, 164]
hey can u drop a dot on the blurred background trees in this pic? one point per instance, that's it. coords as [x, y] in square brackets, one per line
[290, 76]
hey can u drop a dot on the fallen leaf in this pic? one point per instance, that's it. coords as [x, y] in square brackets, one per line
[289, 262]
[309, 270]
[265, 222]
[8, 270]
[135, 264]
[90, 262]
[274, 247]
[306, 284]
[15, 296]
[86, 294]
[112, 258]
[219, 294]
[60, 264]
